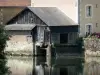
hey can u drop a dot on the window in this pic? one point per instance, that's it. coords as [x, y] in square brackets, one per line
[88, 29]
[89, 11]
[64, 38]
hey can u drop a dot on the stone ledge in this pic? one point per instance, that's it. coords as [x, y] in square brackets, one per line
[92, 53]
[16, 53]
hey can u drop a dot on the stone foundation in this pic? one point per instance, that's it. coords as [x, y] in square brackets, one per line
[19, 48]
[92, 46]
[92, 53]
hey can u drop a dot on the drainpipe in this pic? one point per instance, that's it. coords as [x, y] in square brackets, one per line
[79, 16]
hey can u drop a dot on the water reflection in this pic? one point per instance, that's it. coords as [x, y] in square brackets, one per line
[20, 65]
[4, 70]
[59, 66]
[68, 66]
[92, 66]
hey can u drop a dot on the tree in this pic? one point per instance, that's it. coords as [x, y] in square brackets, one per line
[4, 70]
[3, 39]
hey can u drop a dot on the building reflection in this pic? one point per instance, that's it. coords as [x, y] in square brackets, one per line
[20, 65]
[92, 66]
[61, 66]
[67, 66]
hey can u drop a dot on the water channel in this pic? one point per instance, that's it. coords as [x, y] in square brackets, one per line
[62, 66]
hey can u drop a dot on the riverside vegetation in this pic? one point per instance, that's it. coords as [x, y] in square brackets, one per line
[4, 70]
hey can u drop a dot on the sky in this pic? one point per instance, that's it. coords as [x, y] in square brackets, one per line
[69, 7]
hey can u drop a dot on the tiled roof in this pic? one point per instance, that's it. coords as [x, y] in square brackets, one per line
[52, 16]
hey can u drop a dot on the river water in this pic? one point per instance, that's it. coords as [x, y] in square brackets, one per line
[63, 66]
[20, 65]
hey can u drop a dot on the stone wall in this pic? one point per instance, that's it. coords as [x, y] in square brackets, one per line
[92, 46]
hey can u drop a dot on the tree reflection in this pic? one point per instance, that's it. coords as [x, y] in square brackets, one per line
[4, 70]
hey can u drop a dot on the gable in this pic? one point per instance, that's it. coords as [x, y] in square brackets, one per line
[26, 17]
[52, 16]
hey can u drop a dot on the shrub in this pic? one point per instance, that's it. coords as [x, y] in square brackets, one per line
[4, 70]
[3, 38]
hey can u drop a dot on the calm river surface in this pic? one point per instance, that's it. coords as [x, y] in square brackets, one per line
[64, 66]
[20, 65]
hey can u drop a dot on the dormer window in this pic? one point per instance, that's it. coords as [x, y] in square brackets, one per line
[89, 11]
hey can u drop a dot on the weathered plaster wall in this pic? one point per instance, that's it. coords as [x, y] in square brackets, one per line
[20, 44]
